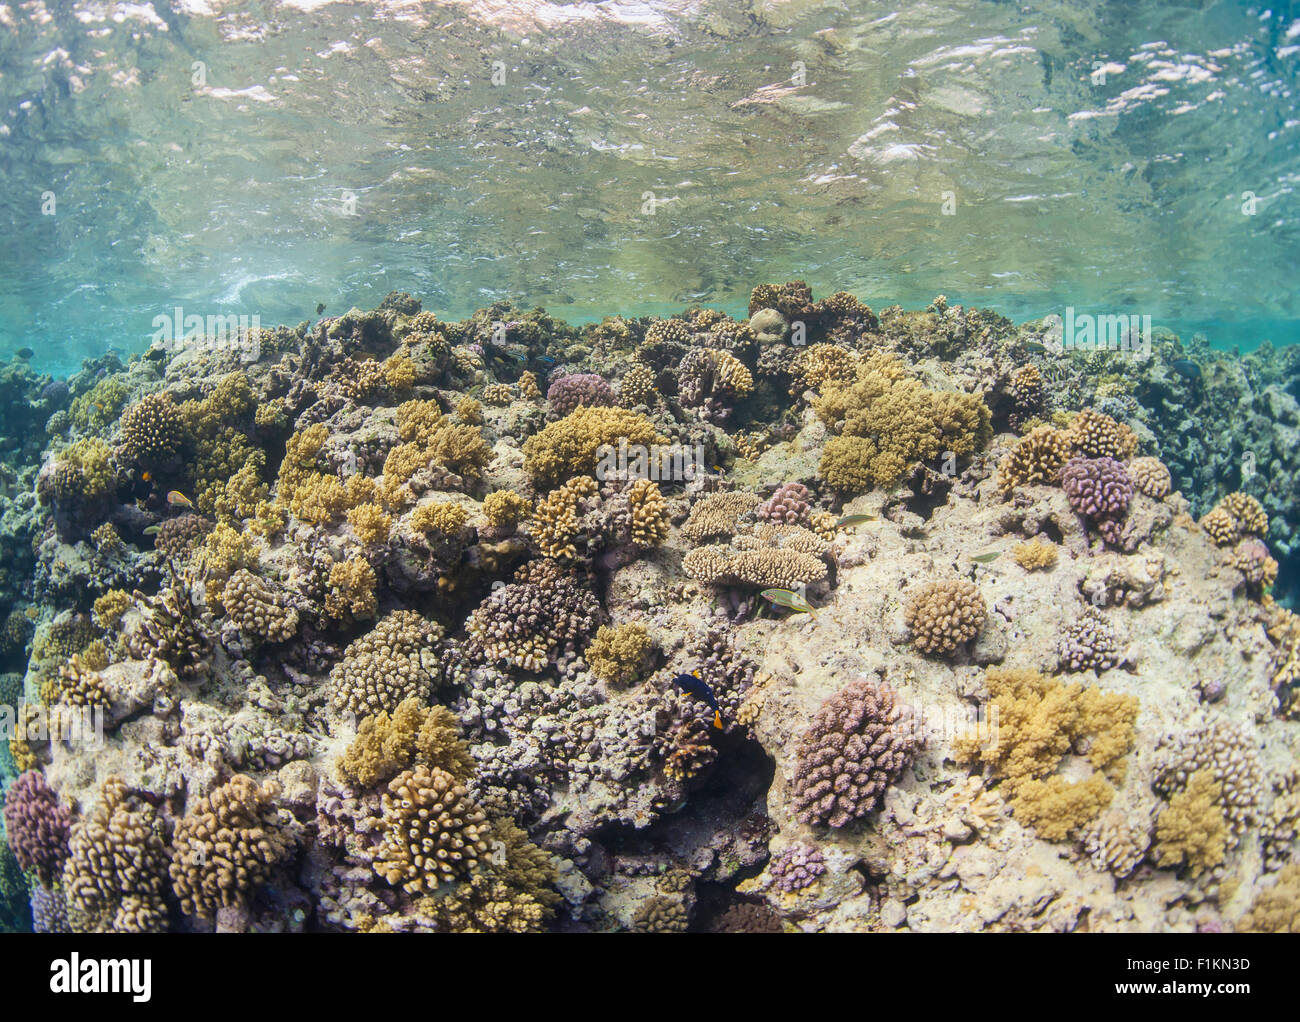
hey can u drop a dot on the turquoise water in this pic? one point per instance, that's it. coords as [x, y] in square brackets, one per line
[1108, 156]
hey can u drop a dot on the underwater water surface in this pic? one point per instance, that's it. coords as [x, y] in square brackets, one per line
[641, 157]
[648, 466]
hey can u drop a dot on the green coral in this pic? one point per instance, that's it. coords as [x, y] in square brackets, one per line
[98, 408]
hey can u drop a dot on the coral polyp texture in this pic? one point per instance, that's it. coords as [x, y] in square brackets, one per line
[829, 616]
[858, 743]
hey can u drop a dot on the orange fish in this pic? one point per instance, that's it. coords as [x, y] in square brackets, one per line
[145, 476]
[177, 499]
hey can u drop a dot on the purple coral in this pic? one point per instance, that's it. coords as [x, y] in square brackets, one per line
[568, 392]
[796, 867]
[1099, 489]
[859, 743]
[787, 506]
[37, 825]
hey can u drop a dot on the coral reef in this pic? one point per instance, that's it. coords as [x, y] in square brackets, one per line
[384, 642]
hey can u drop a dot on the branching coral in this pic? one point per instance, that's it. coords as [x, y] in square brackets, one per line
[227, 846]
[568, 392]
[36, 824]
[413, 735]
[1191, 830]
[431, 832]
[887, 422]
[647, 523]
[351, 595]
[440, 516]
[527, 623]
[1039, 723]
[859, 742]
[1224, 751]
[1276, 909]
[619, 654]
[571, 446]
[256, 610]
[943, 616]
[788, 505]
[1089, 643]
[1099, 489]
[765, 567]
[1034, 555]
[1235, 516]
[385, 666]
[718, 515]
[1095, 435]
[504, 508]
[556, 522]
[152, 430]
[637, 387]
[1036, 460]
[116, 871]
[1150, 476]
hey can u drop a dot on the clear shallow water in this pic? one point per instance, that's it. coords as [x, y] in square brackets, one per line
[1093, 155]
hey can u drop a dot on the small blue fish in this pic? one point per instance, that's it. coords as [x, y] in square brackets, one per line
[1186, 367]
[787, 598]
[699, 688]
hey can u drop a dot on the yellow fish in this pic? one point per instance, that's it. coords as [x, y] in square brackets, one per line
[177, 499]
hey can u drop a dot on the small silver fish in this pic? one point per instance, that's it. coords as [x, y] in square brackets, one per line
[848, 520]
[786, 598]
[153, 530]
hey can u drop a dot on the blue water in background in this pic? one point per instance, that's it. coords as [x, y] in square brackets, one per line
[1095, 155]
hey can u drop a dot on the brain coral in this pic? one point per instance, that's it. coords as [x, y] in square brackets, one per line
[572, 445]
[227, 846]
[859, 742]
[36, 824]
[385, 666]
[117, 867]
[431, 832]
[944, 615]
[568, 392]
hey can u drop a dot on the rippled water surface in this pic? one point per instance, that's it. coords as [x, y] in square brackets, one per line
[637, 157]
